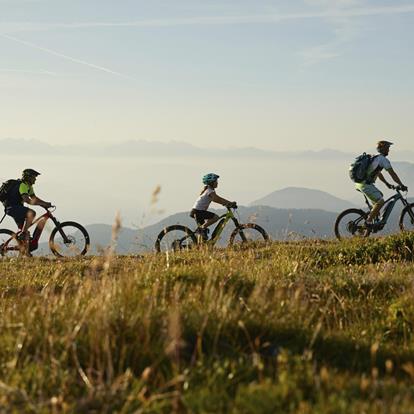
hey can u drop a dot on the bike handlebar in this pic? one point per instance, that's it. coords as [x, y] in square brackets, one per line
[398, 188]
[51, 208]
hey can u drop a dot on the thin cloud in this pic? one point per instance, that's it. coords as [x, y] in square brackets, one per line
[268, 18]
[30, 72]
[345, 29]
[66, 57]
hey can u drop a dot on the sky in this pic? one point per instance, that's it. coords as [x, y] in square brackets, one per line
[279, 75]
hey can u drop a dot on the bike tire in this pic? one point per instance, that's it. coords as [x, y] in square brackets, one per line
[261, 231]
[169, 229]
[8, 234]
[70, 233]
[403, 215]
[360, 212]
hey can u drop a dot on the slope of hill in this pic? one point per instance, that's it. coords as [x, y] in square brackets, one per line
[296, 197]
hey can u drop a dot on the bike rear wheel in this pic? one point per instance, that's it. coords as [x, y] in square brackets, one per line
[9, 245]
[351, 223]
[248, 233]
[407, 218]
[69, 239]
[175, 238]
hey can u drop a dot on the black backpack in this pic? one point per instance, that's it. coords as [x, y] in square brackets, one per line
[6, 189]
[358, 170]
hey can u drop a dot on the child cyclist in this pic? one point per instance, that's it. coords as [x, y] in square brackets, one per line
[199, 212]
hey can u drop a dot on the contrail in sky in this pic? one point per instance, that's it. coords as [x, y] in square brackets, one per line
[63, 56]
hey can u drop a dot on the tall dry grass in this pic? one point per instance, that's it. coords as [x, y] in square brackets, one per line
[286, 327]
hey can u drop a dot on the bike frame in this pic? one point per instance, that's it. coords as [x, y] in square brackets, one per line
[40, 223]
[389, 205]
[218, 230]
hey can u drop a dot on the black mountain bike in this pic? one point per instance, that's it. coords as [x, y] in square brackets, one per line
[352, 222]
[178, 237]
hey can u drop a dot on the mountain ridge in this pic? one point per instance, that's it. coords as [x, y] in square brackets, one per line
[292, 197]
[143, 147]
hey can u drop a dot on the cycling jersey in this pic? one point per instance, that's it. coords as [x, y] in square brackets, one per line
[379, 163]
[16, 194]
[203, 202]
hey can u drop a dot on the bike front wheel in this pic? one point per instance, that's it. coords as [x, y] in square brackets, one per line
[351, 223]
[248, 233]
[9, 245]
[407, 218]
[175, 238]
[69, 239]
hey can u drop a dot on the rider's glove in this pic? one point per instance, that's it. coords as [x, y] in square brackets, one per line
[403, 188]
[233, 204]
[48, 205]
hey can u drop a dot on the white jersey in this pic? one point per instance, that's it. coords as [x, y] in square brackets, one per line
[379, 163]
[203, 202]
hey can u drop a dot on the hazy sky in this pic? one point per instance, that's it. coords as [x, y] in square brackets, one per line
[288, 74]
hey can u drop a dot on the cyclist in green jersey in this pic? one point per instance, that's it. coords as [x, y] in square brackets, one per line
[14, 206]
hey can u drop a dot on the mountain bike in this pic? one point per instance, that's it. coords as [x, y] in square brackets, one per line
[67, 239]
[352, 222]
[178, 237]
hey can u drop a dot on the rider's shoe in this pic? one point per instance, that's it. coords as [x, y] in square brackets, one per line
[202, 234]
[23, 236]
[371, 227]
[24, 239]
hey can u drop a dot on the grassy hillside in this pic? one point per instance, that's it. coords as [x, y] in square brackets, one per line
[300, 327]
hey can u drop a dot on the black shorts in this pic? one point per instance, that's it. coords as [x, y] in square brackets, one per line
[200, 216]
[18, 213]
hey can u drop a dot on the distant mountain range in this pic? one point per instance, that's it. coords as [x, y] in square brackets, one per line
[297, 197]
[144, 148]
[281, 224]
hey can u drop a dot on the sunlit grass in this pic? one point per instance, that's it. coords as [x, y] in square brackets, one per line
[296, 327]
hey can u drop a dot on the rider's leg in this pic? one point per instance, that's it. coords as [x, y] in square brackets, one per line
[375, 210]
[204, 219]
[376, 198]
[209, 222]
[30, 216]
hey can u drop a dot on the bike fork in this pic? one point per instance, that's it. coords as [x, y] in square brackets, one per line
[243, 237]
[60, 230]
[411, 214]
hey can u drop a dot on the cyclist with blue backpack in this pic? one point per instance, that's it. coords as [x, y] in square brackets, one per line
[366, 170]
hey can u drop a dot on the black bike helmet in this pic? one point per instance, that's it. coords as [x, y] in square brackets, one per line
[29, 172]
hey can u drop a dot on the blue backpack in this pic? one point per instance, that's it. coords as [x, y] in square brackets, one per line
[358, 171]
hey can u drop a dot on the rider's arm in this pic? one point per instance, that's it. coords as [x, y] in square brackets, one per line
[395, 177]
[35, 201]
[220, 200]
[382, 178]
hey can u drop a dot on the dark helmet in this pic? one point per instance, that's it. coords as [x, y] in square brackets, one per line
[210, 178]
[29, 172]
[383, 144]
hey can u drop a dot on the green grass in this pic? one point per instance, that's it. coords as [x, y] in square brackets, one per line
[306, 327]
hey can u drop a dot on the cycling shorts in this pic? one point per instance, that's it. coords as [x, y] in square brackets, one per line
[200, 216]
[370, 191]
[19, 214]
